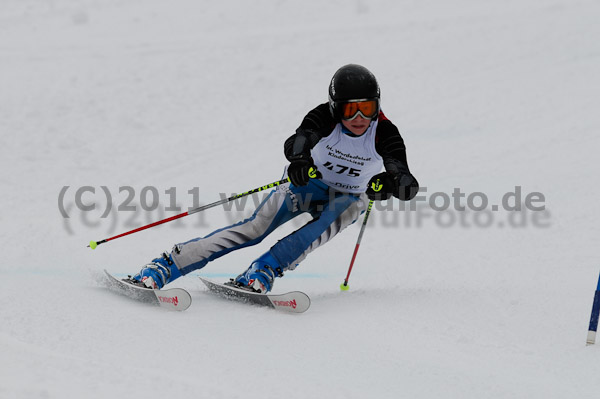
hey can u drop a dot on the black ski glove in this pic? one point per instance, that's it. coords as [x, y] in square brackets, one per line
[301, 170]
[408, 187]
[382, 186]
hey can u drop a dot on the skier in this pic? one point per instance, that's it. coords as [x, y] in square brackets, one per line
[344, 153]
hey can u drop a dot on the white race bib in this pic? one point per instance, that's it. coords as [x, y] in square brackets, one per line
[347, 163]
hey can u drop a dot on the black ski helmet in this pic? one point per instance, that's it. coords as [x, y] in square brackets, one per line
[352, 82]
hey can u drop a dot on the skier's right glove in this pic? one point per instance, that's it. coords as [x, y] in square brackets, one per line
[301, 170]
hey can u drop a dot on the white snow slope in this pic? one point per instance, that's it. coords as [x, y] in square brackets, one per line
[197, 97]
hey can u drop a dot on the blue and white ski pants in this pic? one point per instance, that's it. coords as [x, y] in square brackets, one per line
[332, 211]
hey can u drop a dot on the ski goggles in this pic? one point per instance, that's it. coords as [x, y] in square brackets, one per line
[351, 109]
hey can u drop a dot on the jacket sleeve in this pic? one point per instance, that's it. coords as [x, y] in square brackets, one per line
[318, 123]
[390, 145]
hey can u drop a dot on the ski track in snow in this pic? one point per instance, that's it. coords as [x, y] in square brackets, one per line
[488, 96]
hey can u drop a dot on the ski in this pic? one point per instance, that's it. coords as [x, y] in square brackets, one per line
[293, 302]
[171, 298]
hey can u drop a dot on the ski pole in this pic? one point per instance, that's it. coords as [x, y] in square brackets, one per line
[591, 337]
[344, 286]
[94, 244]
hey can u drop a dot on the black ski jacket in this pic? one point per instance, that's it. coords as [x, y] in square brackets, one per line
[319, 123]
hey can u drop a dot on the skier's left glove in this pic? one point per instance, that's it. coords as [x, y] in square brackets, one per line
[383, 185]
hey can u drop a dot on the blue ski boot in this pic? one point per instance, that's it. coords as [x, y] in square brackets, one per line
[260, 275]
[157, 273]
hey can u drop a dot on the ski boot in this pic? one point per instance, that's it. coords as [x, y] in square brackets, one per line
[260, 275]
[156, 274]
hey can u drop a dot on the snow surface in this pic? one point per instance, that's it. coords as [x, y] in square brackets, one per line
[202, 94]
